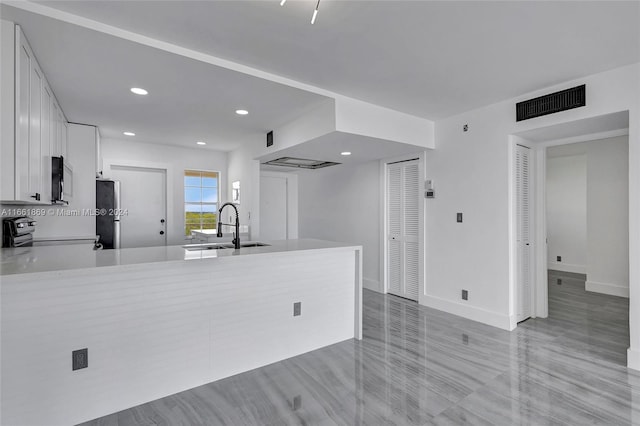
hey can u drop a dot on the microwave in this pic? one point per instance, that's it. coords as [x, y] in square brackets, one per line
[61, 181]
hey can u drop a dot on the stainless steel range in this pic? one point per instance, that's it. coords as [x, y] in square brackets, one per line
[18, 231]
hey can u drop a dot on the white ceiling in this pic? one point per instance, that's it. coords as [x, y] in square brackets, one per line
[91, 74]
[427, 58]
[431, 59]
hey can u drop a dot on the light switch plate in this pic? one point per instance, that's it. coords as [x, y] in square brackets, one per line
[297, 309]
[459, 217]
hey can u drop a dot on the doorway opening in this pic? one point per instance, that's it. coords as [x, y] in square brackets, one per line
[580, 218]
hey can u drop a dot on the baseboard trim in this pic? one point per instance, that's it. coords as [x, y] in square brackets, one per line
[371, 285]
[473, 313]
[606, 288]
[633, 359]
[567, 267]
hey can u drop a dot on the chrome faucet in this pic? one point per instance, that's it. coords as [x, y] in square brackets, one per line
[236, 236]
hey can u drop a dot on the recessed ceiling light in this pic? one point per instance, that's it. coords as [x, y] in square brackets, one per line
[201, 143]
[345, 153]
[242, 112]
[128, 133]
[139, 91]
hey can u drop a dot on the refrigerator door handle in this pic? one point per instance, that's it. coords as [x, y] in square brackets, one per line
[116, 199]
[116, 234]
[116, 217]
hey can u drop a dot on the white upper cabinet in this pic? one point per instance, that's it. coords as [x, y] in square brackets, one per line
[47, 96]
[38, 127]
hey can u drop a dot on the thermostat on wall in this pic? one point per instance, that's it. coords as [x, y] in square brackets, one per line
[430, 192]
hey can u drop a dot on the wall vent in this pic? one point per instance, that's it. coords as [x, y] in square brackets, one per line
[550, 104]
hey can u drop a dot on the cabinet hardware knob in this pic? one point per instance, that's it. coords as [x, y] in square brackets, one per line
[161, 220]
[161, 232]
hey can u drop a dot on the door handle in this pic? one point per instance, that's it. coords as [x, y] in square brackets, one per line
[37, 196]
[161, 232]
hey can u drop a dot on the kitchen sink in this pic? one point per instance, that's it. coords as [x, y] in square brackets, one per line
[194, 247]
[248, 244]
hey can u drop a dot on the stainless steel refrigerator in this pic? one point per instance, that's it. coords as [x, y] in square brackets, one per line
[108, 213]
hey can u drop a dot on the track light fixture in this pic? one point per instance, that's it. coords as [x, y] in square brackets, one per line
[315, 11]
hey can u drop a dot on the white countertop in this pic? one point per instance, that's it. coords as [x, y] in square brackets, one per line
[24, 260]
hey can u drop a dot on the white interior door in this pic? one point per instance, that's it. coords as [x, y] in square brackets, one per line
[524, 283]
[273, 208]
[143, 201]
[403, 215]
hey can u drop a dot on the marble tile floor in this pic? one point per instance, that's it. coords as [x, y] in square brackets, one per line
[419, 366]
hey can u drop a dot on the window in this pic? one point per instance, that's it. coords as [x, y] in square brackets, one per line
[200, 200]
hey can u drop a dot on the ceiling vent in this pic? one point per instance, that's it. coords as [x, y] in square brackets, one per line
[300, 163]
[549, 104]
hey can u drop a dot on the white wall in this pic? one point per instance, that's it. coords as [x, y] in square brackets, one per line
[311, 124]
[608, 217]
[607, 211]
[341, 203]
[567, 212]
[472, 173]
[242, 167]
[362, 118]
[176, 160]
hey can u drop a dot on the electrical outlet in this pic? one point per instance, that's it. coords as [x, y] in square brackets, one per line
[296, 404]
[558, 258]
[465, 128]
[459, 217]
[465, 295]
[297, 309]
[79, 359]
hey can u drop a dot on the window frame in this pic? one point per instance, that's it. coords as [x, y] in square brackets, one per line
[188, 226]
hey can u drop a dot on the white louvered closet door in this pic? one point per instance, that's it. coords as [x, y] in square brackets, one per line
[403, 197]
[524, 286]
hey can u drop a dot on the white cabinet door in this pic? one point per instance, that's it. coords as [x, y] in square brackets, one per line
[59, 126]
[35, 132]
[23, 97]
[32, 125]
[46, 144]
[53, 129]
[65, 139]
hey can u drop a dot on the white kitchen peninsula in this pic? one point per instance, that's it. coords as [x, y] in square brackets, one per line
[160, 320]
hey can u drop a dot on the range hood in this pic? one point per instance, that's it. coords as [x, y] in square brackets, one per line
[300, 163]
